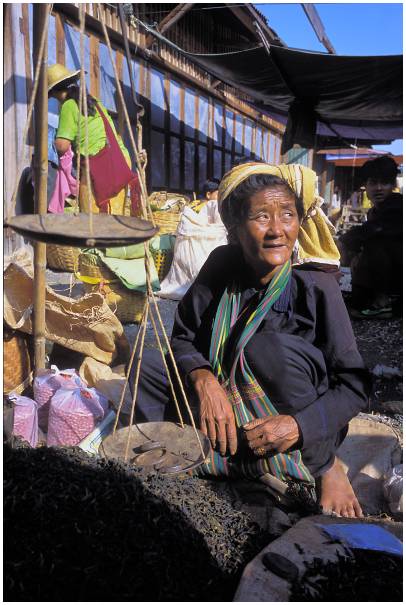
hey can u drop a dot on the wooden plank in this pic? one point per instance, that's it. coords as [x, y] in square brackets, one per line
[196, 138]
[182, 138]
[167, 132]
[120, 109]
[146, 123]
[27, 57]
[94, 67]
[60, 39]
[210, 145]
[223, 141]
[318, 27]
[268, 146]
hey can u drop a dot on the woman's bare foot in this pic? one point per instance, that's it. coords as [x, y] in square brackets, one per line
[336, 493]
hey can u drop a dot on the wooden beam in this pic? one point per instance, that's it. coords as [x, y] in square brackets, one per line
[60, 39]
[120, 109]
[94, 66]
[27, 59]
[247, 16]
[171, 18]
[317, 25]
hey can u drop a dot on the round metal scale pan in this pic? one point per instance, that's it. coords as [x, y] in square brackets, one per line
[165, 447]
[109, 230]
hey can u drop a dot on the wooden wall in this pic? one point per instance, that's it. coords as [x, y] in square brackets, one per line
[191, 130]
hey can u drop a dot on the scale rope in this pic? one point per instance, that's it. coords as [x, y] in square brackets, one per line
[151, 305]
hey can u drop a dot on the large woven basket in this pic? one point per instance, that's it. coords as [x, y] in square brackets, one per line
[63, 258]
[167, 220]
[91, 265]
[126, 304]
[16, 361]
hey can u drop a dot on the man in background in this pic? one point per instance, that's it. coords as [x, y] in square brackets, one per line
[375, 248]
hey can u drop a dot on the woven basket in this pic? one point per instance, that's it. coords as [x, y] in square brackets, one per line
[91, 265]
[16, 362]
[167, 220]
[63, 258]
[163, 260]
[126, 304]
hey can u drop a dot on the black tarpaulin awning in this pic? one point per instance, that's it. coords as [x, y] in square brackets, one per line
[318, 92]
[332, 96]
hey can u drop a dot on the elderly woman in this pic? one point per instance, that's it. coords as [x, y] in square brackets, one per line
[263, 340]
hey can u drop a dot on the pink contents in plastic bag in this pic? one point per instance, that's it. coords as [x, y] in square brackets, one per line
[73, 414]
[45, 385]
[25, 418]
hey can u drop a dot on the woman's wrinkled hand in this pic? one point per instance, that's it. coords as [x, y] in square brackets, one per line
[216, 412]
[272, 433]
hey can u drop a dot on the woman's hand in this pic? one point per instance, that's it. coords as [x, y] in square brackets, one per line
[272, 433]
[216, 412]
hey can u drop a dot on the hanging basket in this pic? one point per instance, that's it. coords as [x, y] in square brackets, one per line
[16, 362]
[62, 258]
[91, 266]
[126, 304]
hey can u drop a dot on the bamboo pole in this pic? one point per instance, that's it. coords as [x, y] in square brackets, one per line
[40, 22]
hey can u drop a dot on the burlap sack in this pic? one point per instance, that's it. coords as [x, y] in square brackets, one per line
[86, 325]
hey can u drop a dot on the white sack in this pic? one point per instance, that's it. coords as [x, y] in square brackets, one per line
[196, 237]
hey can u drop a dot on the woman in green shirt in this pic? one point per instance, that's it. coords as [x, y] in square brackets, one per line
[62, 85]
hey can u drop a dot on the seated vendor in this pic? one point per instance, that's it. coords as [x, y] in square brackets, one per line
[263, 341]
[374, 249]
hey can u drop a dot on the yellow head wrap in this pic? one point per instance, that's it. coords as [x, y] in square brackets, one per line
[316, 243]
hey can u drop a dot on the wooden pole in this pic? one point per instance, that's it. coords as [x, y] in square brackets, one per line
[40, 21]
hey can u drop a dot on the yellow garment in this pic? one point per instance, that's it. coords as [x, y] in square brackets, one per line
[315, 240]
[117, 204]
[366, 202]
[198, 205]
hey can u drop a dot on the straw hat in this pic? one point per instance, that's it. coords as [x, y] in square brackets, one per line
[57, 73]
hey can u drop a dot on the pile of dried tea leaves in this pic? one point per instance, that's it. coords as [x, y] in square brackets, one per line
[79, 528]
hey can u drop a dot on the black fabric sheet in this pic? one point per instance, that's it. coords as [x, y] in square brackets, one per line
[364, 94]
[315, 94]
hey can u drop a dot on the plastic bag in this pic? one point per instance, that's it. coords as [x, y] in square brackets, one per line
[73, 414]
[393, 489]
[45, 385]
[25, 418]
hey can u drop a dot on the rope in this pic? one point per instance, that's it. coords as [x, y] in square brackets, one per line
[158, 340]
[29, 116]
[144, 194]
[120, 405]
[143, 328]
[83, 99]
[147, 258]
[177, 373]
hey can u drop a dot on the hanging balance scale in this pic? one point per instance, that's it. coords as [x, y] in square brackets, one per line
[103, 230]
[163, 447]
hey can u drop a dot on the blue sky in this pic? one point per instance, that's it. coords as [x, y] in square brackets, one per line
[353, 29]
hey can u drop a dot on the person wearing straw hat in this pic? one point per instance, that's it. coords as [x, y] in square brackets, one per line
[72, 127]
[264, 344]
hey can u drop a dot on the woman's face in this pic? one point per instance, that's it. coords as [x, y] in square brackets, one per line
[59, 94]
[269, 232]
